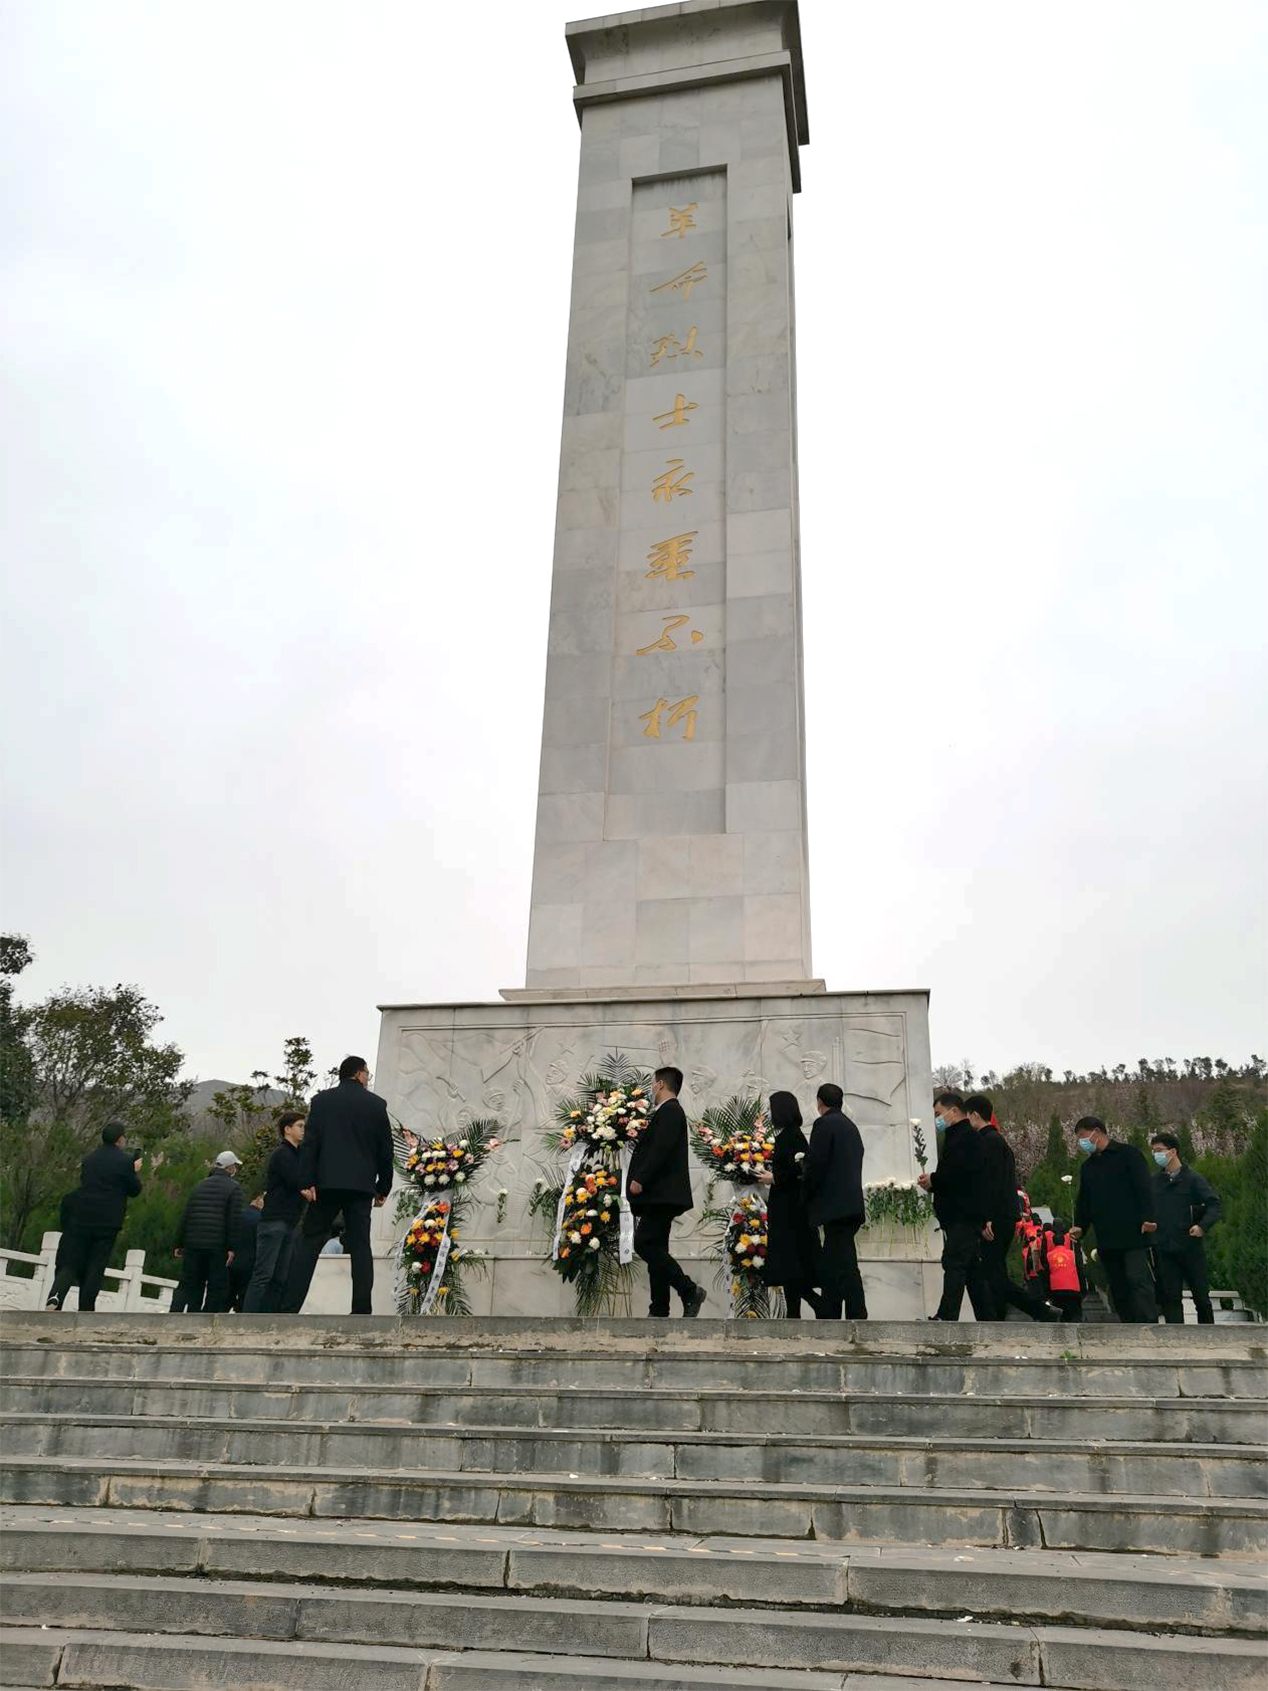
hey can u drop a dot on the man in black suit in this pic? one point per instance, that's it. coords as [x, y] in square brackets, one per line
[345, 1164]
[1000, 1170]
[108, 1177]
[832, 1178]
[960, 1202]
[659, 1188]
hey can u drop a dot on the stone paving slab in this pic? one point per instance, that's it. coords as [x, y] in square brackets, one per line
[901, 1338]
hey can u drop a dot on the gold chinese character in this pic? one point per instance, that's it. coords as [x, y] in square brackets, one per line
[685, 282]
[673, 483]
[683, 711]
[685, 349]
[679, 221]
[667, 557]
[677, 418]
[666, 643]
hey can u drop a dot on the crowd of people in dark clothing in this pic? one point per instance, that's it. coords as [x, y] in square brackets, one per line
[332, 1167]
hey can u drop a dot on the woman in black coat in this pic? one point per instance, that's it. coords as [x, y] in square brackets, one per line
[792, 1255]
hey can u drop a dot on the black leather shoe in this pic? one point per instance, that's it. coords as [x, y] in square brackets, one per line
[693, 1304]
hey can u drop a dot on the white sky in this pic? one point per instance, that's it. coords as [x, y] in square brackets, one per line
[286, 290]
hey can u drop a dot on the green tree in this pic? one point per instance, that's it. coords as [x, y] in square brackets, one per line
[1245, 1221]
[17, 1074]
[298, 1075]
[93, 1060]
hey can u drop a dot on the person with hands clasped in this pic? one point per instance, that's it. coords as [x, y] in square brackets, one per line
[659, 1189]
[1116, 1200]
[960, 1203]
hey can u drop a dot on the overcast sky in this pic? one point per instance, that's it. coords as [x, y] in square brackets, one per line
[285, 299]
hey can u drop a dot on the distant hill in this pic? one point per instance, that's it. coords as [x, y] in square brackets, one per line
[198, 1104]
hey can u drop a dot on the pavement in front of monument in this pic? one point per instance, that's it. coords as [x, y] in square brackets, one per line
[268, 1502]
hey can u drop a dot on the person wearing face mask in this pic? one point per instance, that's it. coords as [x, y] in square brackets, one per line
[1187, 1211]
[959, 1187]
[1116, 1200]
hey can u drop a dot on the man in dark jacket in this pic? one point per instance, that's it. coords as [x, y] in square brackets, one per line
[1000, 1171]
[108, 1177]
[1116, 1200]
[1187, 1209]
[832, 1178]
[207, 1239]
[275, 1241]
[345, 1164]
[659, 1189]
[959, 1192]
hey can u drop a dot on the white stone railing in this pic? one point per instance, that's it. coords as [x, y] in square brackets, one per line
[133, 1290]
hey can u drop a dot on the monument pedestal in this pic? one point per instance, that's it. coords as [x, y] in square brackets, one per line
[441, 1066]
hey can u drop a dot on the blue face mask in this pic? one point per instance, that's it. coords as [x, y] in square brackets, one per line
[1087, 1147]
[1162, 1158]
[939, 1125]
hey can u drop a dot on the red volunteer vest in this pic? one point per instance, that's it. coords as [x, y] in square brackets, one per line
[1063, 1271]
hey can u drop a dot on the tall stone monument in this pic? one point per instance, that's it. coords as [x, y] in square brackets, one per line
[670, 911]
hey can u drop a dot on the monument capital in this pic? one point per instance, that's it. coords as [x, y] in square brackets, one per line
[698, 44]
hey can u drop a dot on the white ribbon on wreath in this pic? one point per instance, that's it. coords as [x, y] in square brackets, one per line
[574, 1163]
[404, 1290]
[625, 1237]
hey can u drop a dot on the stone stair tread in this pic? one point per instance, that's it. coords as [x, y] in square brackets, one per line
[634, 1485]
[642, 1435]
[1057, 1564]
[424, 1389]
[675, 1638]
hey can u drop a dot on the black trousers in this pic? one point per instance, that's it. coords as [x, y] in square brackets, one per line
[842, 1282]
[274, 1247]
[1176, 1270]
[651, 1242]
[204, 1283]
[313, 1233]
[1131, 1284]
[963, 1270]
[1070, 1304]
[795, 1293]
[1003, 1289]
[82, 1256]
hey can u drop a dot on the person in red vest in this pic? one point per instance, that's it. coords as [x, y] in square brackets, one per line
[1063, 1265]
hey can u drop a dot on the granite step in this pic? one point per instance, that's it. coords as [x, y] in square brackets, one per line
[814, 1651]
[1165, 1420]
[104, 1661]
[740, 1367]
[864, 1514]
[1134, 1592]
[1036, 1465]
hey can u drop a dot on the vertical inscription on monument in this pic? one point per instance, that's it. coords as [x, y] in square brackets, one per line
[668, 725]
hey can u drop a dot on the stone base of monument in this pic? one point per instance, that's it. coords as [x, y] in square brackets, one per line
[440, 1066]
[265, 1502]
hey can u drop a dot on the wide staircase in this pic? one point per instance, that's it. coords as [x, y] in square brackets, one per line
[490, 1505]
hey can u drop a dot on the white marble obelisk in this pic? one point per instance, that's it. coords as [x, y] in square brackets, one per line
[670, 908]
[671, 832]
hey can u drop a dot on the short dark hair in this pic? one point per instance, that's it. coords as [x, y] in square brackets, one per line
[672, 1078]
[288, 1118]
[955, 1099]
[1167, 1139]
[351, 1067]
[831, 1095]
[112, 1132]
[979, 1105]
[1086, 1122]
